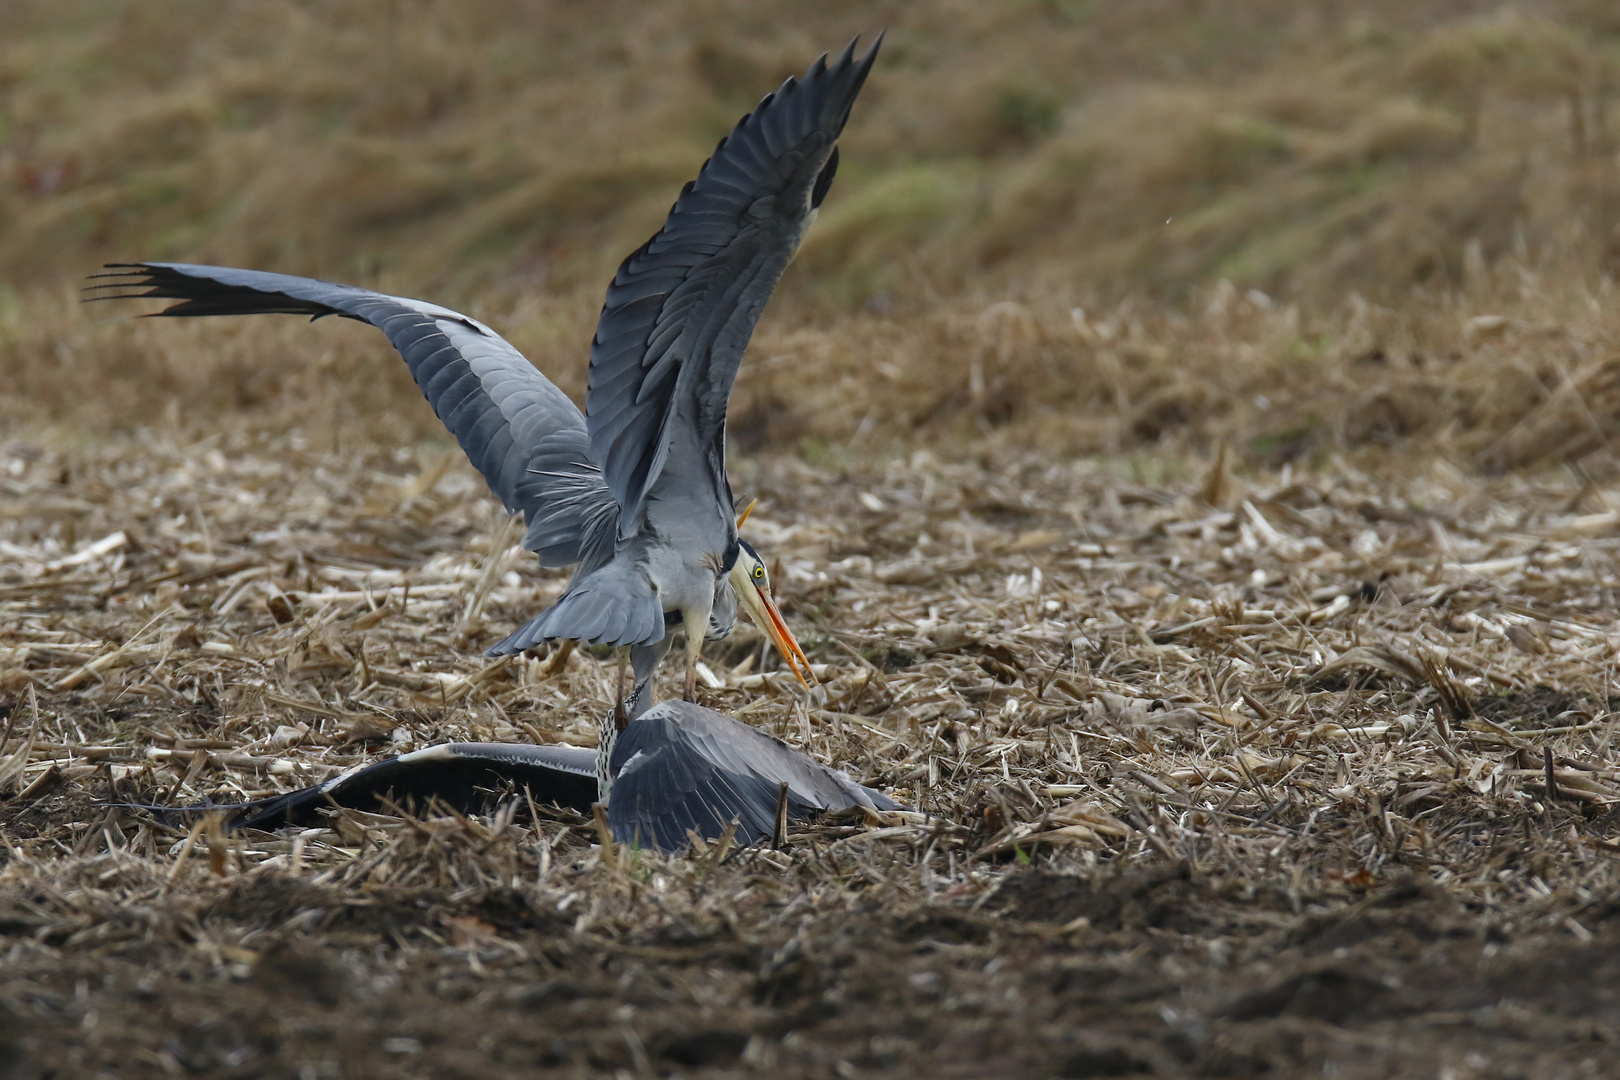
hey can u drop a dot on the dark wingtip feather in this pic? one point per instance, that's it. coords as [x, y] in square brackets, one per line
[199, 295]
[123, 277]
[864, 64]
[120, 270]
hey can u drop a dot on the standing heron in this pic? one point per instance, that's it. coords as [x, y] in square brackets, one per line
[634, 492]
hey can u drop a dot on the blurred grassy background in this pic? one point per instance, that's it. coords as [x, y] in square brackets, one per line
[1287, 224]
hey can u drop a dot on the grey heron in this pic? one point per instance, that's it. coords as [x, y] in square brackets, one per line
[634, 492]
[675, 771]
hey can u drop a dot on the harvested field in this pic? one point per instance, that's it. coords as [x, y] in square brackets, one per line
[1222, 776]
[1185, 448]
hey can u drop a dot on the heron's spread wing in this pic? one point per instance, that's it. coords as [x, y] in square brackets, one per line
[681, 309]
[520, 431]
[682, 767]
[458, 775]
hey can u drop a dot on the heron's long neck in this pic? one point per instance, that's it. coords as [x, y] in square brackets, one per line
[639, 701]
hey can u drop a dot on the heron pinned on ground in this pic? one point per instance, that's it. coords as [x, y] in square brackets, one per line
[674, 772]
[634, 492]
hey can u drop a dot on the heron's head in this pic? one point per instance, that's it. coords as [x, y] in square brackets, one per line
[752, 584]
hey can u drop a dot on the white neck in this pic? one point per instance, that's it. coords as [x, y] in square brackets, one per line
[639, 701]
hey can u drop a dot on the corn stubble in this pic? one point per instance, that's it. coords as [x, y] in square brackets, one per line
[1231, 598]
[1338, 707]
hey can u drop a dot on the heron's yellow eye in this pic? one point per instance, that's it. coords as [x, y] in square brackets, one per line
[759, 573]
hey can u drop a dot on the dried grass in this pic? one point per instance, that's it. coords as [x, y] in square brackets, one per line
[1431, 240]
[508, 146]
[1517, 371]
[1334, 706]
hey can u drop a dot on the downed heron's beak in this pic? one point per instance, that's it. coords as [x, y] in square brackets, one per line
[762, 609]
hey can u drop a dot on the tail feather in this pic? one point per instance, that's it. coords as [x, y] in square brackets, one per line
[609, 606]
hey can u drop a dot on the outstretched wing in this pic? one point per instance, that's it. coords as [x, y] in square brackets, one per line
[681, 767]
[459, 776]
[522, 433]
[681, 309]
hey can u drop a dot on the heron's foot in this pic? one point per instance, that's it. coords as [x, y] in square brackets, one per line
[690, 694]
[559, 658]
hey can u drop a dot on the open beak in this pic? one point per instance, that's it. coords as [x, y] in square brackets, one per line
[762, 609]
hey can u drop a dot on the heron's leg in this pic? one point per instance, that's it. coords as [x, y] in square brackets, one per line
[696, 620]
[559, 657]
[621, 717]
[694, 645]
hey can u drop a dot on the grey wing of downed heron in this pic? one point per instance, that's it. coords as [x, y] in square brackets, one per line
[681, 768]
[459, 776]
[518, 429]
[682, 307]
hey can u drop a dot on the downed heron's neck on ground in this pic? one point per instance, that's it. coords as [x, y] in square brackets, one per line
[638, 702]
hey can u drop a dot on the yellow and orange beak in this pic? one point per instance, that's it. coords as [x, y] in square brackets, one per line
[762, 609]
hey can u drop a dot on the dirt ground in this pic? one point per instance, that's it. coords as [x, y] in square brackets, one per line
[1298, 763]
[1223, 776]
